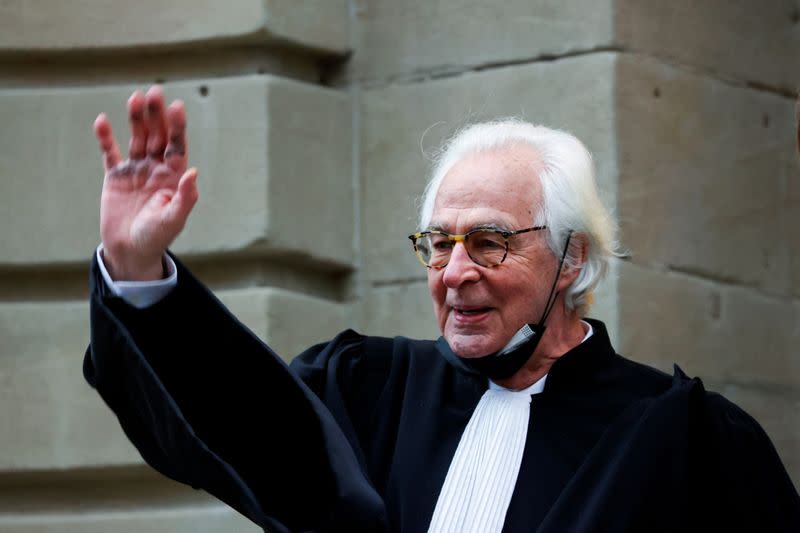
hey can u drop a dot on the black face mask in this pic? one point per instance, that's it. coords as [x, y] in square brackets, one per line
[515, 354]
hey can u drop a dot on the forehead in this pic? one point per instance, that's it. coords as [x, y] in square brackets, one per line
[498, 187]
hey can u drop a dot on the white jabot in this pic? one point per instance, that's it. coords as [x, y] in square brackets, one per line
[140, 294]
[484, 469]
[480, 481]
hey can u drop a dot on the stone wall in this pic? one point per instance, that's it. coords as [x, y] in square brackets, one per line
[312, 122]
[271, 142]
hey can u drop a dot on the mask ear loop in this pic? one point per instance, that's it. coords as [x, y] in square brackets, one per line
[551, 300]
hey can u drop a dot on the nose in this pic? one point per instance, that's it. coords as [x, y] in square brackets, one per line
[460, 268]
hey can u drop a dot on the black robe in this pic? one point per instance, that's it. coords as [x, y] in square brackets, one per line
[358, 434]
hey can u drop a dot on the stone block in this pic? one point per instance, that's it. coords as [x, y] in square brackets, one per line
[704, 171]
[86, 490]
[412, 39]
[403, 124]
[65, 424]
[91, 25]
[288, 322]
[404, 309]
[749, 41]
[714, 331]
[792, 216]
[195, 519]
[320, 24]
[266, 148]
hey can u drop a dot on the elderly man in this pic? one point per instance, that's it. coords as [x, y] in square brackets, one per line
[520, 418]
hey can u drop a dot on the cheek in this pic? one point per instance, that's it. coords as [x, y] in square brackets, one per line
[521, 295]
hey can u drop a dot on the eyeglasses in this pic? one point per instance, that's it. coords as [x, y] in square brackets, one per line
[486, 247]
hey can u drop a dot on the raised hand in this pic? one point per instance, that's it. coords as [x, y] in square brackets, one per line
[146, 198]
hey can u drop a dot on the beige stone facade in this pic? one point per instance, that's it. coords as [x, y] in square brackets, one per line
[312, 123]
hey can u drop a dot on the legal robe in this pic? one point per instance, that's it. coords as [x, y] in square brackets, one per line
[358, 434]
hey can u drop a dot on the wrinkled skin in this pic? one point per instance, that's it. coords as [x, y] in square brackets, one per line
[147, 197]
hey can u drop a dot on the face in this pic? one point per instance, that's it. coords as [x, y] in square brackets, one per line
[478, 308]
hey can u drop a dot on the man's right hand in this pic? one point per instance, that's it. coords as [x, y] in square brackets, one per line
[146, 198]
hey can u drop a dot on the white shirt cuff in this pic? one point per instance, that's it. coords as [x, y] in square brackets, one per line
[140, 294]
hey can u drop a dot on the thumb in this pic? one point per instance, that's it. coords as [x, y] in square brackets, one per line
[183, 200]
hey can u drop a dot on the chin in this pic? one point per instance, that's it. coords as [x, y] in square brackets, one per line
[472, 346]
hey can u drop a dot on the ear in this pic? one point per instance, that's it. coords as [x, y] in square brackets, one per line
[578, 251]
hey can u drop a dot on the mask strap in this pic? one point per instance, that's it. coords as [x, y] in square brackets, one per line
[551, 300]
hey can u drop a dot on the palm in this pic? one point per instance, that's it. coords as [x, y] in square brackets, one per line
[133, 209]
[146, 199]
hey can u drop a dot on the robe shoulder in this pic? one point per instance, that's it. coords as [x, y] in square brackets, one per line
[682, 459]
[365, 364]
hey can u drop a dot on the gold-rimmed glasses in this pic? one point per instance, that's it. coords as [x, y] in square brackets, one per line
[486, 247]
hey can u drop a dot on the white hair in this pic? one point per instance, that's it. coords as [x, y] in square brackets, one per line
[570, 198]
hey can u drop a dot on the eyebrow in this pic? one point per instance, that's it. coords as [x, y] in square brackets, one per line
[486, 225]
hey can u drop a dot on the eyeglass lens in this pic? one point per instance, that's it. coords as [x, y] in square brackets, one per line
[486, 248]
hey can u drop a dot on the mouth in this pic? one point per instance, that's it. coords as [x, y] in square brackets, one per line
[470, 314]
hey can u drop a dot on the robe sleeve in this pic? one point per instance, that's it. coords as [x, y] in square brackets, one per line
[208, 404]
[361, 380]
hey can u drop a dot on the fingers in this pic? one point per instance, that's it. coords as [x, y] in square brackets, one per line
[156, 123]
[176, 153]
[183, 200]
[156, 133]
[108, 144]
[138, 143]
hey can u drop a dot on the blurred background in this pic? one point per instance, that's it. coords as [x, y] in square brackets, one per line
[312, 123]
